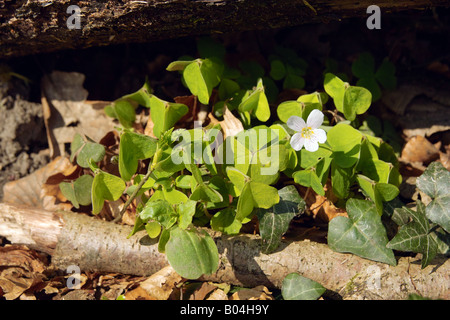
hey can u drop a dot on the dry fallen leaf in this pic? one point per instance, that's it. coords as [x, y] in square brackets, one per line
[67, 112]
[419, 149]
[32, 191]
[161, 284]
[231, 125]
[257, 293]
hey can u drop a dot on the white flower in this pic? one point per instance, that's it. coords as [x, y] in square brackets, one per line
[308, 134]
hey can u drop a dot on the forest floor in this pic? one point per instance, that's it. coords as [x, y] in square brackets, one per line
[418, 107]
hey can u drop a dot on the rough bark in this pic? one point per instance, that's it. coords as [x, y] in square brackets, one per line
[93, 244]
[34, 26]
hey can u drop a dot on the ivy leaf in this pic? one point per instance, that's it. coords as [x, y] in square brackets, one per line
[362, 233]
[415, 236]
[435, 183]
[192, 254]
[105, 187]
[274, 222]
[297, 287]
[134, 147]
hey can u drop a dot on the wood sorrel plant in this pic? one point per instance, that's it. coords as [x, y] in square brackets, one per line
[198, 178]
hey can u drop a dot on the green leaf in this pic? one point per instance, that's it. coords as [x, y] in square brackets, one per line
[153, 229]
[386, 75]
[362, 233]
[256, 101]
[191, 253]
[123, 111]
[341, 179]
[225, 221]
[435, 183]
[293, 81]
[105, 187]
[142, 96]
[297, 287]
[165, 114]
[227, 88]
[335, 88]
[356, 101]
[186, 212]
[274, 222]
[238, 179]
[345, 141]
[209, 48]
[309, 178]
[415, 236]
[161, 211]
[201, 77]
[82, 189]
[277, 70]
[288, 109]
[132, 148]
[84, 151]
[255, 194]
[364, 66]
[178, 65]
[205, 193]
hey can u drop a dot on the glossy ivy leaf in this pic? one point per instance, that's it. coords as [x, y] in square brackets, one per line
[85, 150]
[274, 222]
[256, 101]
[225, 221]
[161, 211]
[308, 178]
[105, 187]
[356, 101]
[201, 77]
[415, 236]
[191, 253]
[165, 114]
[134, 147]
[123, 111]
[255, 194]
[435, 183]
[345, 141]
[79, 191]
[362, 233]
[297, 287]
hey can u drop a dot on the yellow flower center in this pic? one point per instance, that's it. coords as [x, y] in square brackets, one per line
[307, 132]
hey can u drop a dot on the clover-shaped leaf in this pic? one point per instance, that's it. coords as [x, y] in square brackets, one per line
[85, 151]
[435, 182]
[362, 233]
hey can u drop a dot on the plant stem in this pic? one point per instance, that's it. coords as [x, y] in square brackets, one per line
[150, 169]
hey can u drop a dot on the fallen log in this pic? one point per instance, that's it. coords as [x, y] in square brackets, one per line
[36, 26]
[96, 245]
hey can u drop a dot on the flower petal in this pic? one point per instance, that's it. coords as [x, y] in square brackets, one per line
[320, 135]
[297, 141]
[315, 119]
[311, 145]
[296, 123]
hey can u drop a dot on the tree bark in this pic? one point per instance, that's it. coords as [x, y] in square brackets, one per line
[96, 245]
[35, 26]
